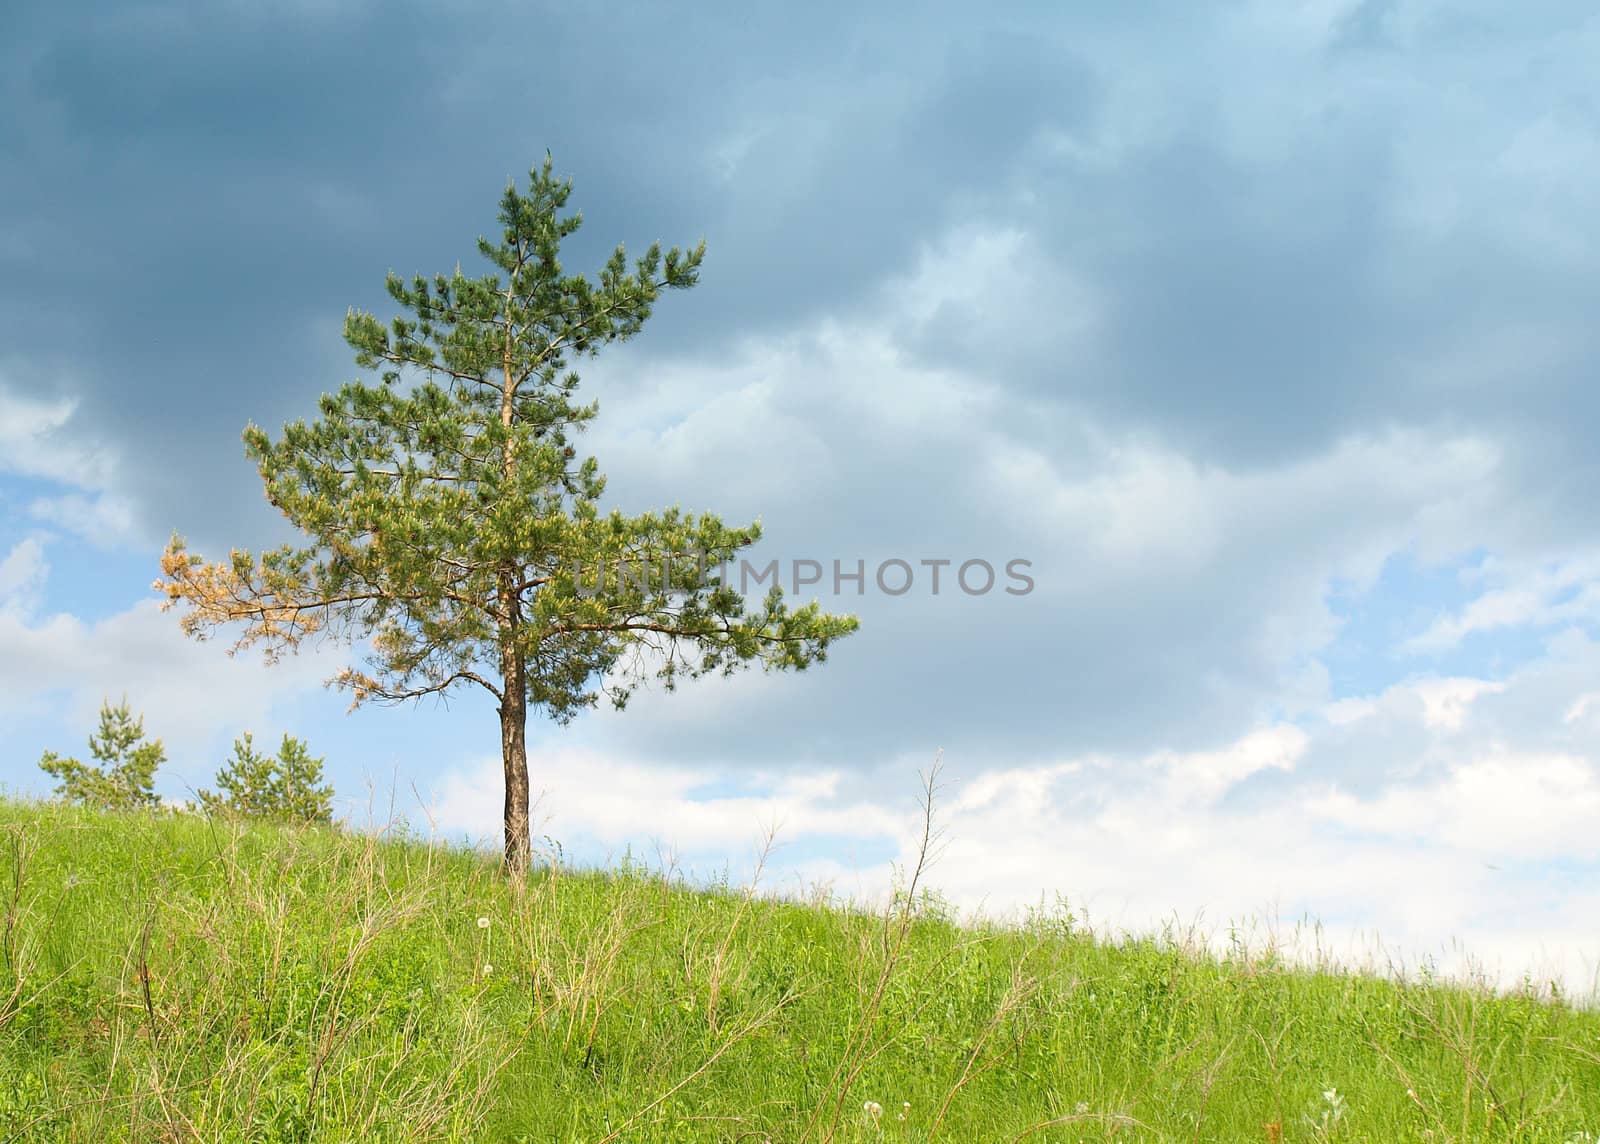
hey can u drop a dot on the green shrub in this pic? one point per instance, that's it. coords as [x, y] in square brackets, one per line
[257, 785]
[126, 780]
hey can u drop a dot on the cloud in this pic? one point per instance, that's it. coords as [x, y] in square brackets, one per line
[566, 780]
[1439, 867]
[34, 442]
[1507, 805]
[1202, 588]
[101, 519]
[1446, 702]
[38, 440]
[1518, 594]
[22, 576]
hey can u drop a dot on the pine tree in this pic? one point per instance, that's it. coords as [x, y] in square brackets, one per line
[126, 779]
[451, 523]
[257, 785]
[302, 795]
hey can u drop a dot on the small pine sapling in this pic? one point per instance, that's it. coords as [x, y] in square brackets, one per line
[126, 778]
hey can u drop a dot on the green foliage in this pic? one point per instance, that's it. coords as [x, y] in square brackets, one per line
[257, 785]
[126, 778]
[169, 977]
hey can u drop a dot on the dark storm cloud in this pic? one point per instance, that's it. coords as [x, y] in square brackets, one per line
[1257, 306]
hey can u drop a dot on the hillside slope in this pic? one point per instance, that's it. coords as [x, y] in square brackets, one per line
[169, 977]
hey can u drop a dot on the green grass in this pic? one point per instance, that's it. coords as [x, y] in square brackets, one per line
[168, 977]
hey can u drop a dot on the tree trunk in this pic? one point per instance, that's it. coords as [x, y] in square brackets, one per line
[514, 756]
[513, 665]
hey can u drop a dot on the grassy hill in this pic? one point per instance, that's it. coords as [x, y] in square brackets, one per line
[168, 977]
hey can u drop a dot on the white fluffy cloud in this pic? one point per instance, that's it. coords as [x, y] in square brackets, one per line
[37, 440]
[34, 442]
[1519, 594]
[1454, 866]
[22, 575]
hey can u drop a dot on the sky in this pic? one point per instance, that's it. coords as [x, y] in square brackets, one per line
[1261, 331]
